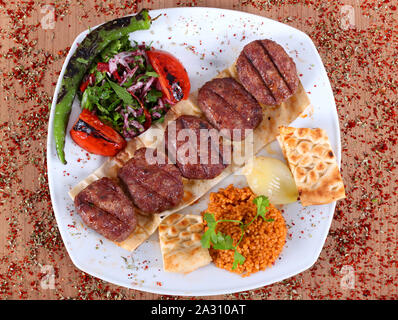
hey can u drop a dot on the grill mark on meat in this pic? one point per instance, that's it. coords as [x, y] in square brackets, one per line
[284, 62]
[230, 107]
[144, 189]
[252, 81]
[275, 66]
[269, 91]
[220, 158]
[102, 222]
[104, 207]
[267, 72]
[216, 115]
[201, 126]
[239, 99]
[103, 193]
[162, 167]
[152, 191]
[274, 83]
[153, 187]
[196, 170]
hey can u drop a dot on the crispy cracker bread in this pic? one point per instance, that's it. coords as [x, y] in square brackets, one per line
[180, 244]
[266, 132]
[313, 164]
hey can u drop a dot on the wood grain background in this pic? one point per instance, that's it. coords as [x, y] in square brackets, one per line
[360, 59]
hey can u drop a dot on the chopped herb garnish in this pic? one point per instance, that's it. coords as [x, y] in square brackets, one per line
[220, 241]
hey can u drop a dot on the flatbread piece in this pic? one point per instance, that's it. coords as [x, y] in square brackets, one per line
[313, 165]
[180, 236]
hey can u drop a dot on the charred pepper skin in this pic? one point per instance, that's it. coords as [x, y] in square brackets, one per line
[90, 133]
[88, 49]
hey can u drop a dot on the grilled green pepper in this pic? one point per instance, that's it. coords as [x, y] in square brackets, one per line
[87, 51]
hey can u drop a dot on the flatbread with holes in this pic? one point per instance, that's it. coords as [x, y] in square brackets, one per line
[180, 236]
[313, 165]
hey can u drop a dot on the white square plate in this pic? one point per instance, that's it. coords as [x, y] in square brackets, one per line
[206, 41]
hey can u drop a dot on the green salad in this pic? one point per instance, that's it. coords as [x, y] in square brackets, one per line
[123, 89]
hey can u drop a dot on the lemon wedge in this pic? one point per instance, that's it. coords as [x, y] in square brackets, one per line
[272, 178]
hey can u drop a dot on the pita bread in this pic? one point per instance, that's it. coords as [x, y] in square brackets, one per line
[180, 244]
[313, 165]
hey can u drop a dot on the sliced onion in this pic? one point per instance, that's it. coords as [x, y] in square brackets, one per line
[272, 178]
[128, 75]
[169, 102]
[161, 104]
[137, 125]
[147, 87]
[112, 65]
[123, 58]
[156, 115]
[132, 111]
[135, 87]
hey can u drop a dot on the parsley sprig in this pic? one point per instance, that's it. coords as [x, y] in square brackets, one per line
[220, 241]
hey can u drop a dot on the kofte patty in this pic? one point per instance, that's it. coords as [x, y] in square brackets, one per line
[153, 184]
[267, 72]
[229, 107]
[104, 207]
[196, 147]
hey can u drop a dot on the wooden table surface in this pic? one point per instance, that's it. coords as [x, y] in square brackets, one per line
[357, 41]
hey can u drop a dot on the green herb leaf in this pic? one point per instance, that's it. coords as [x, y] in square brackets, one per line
[210, 220]
[99, 76]
[116, 46]
[205, 240]
[262, 204]
[113, 105]
[220, 241]
[122, 93]
[102, 109]
[142, 78]
[153, 95]
[128, 83]
[151, 74]
[141, 119]
[238, 259]
[224, 242]
[90, 98]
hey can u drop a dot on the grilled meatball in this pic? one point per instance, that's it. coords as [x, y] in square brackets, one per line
[154, 186]
[267, 72]
[197, 157]
[229, 107]
[104, 207]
